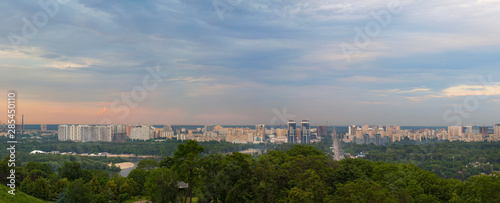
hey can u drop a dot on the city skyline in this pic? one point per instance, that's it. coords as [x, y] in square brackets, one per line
[258, 62]
[364, 134]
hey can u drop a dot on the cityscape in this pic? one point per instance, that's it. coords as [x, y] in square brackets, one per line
[365, 134]
[261, 101]
[291, 133]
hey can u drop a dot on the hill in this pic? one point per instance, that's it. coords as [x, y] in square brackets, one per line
[20, 197]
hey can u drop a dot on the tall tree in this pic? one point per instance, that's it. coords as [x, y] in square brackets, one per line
[139, 176]
[185, 160]
[161, 185]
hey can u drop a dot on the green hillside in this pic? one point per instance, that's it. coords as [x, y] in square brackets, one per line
[19, 197]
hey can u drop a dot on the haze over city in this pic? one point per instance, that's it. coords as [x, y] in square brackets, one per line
[243, 65]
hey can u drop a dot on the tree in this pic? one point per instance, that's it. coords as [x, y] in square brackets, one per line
[27, 186]
[309, 184]
[101, 176]
[304, 150]
[62, 198]
[481, 188]
[147, 164]
[362, 190]
[236, 178]
[71, 171]
[113, 187]
[36, 173]
[41, 189]
[161, 185]
[350, 170]
[94, 185]
[87, 175]
[40, 166]
[298, 195]
[167, 162]
[185, 159]
[139, 176]
[78, 191]
[125, 188]
[58, 188]
[209, 184]
[273, 178]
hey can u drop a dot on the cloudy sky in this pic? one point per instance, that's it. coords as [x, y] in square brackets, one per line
[252, 61]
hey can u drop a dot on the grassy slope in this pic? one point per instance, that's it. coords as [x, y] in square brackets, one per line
[19, 197]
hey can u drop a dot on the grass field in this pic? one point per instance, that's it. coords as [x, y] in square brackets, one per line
[19, 197]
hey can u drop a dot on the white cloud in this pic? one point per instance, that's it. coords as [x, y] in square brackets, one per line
[458, 91]
[472, 90]
[410, 91]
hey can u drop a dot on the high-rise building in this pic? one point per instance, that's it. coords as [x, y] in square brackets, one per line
[365, 128]
[292, 134]
[455, 131]
[322, 130]
[62, 132]
[218, 128]
[167, 128]
[306, 132]
[89, 133]
[22, 127]
[208, 128]
[471, 129]
[43, 127]
[496, 130]
[142, 132]
[352, 130]
[260, 129]
[484, 131]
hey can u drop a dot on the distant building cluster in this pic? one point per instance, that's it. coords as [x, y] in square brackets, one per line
[378, 135]
[35, 133]
[111, 133]
[257, 135]
[291, 133]
[87, 133]
[471, 133]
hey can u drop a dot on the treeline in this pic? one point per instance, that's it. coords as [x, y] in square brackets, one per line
[163, 148]
[300, 174]
[56, 161]
[446, 159]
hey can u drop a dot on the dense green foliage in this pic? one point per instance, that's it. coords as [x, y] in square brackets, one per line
[56, 161]
[302, 173]
[446, 159]
[162, 149]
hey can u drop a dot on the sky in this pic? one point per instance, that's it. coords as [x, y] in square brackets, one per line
[245, 62]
